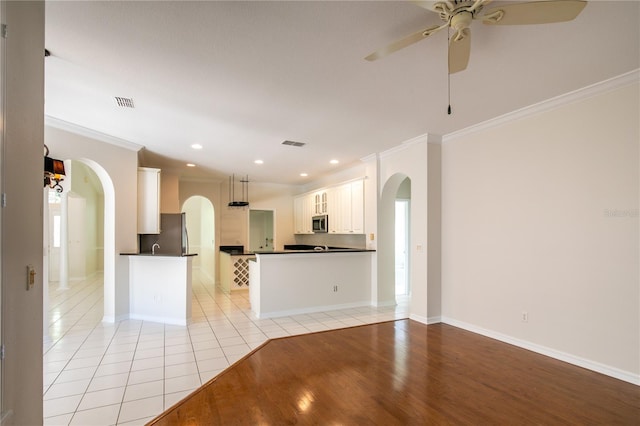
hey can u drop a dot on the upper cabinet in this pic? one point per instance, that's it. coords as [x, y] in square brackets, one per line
[303, 211]
[343, 204]
[148, 200]
[346, 212]
[320, 203]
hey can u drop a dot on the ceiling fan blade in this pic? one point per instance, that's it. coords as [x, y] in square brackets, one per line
[542, 12]
[402, 43]
[459, 51]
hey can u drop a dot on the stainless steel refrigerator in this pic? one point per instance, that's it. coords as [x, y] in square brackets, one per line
[172, 240]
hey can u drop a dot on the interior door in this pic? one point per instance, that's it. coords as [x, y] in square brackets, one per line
[261, 230]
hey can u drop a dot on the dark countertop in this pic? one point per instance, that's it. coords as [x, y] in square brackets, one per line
[330, 250]
[289, 249]
[159, 254]
[239, 253]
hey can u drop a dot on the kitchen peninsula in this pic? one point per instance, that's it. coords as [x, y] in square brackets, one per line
[160, 287]
[302, 281]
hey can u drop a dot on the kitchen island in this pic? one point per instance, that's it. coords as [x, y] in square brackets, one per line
[293, 282]
[160, 288]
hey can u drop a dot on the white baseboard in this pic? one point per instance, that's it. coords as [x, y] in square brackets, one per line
[162, 320]
[425, 320]
[313, 310]
[553, 353]
[113, 319]
[385, 304]
[207, 276]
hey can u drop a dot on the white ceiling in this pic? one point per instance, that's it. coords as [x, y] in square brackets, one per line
[241, 77]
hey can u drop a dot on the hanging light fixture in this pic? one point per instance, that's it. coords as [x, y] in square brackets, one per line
[53, 171]
[232, 191]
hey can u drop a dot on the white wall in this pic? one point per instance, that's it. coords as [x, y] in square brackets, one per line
[21, 219]
[279, 198]
[211, 191]
[86, 184]
[121, 166]
[434, 232]
[407, 160]
[201, 228]
[541, 215]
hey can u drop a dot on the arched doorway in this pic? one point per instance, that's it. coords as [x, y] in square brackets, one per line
[397, 187]
[80, 231]
[201, 230]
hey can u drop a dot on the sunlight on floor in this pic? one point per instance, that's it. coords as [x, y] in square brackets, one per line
[129, 372]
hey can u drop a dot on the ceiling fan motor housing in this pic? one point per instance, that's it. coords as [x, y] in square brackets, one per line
[461, 21]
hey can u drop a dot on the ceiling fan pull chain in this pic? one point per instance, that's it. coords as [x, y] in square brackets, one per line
[448, 73]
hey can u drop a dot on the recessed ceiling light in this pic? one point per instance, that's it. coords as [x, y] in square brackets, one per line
[259, 162]
[304, 174]
[334, 161]
[190, 165]
[196, 146]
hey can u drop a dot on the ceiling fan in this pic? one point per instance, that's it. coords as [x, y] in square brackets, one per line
[459, 14]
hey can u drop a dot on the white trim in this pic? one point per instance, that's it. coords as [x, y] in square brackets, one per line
[434, 320]
[162, 320]
[313, 310]
[549, 104]
[425, 320]
[626, 376]
[419, 318]
[93, 134]
[206, 275]
[368, 158]
[113, 319]
[404, 145]
[385, 304]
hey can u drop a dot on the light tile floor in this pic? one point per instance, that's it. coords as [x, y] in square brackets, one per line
[127, 373]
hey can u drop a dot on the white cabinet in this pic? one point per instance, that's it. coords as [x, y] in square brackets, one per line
[320, 203]
[343, 204]
[347, 208]
[148, 200]
[303, 208]
[357, 207]
[333, 210]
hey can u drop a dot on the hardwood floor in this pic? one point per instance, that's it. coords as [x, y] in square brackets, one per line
[404, 373]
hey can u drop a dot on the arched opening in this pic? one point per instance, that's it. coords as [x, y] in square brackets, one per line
[393, 248]
[201, 230]
[402, 239]
[80, 234]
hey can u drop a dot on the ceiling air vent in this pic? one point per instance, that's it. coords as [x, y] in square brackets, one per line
[292, 143]
[124, 102]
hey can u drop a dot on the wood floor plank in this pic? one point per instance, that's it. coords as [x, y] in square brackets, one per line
[404, 373]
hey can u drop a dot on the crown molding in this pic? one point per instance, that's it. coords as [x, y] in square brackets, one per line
[552, 103]
[368, 158]
[404, 145]
[93, 134]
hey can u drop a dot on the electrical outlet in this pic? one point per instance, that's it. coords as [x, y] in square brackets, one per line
[525, 316]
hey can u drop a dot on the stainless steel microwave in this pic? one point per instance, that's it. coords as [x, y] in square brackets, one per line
[320, 224]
